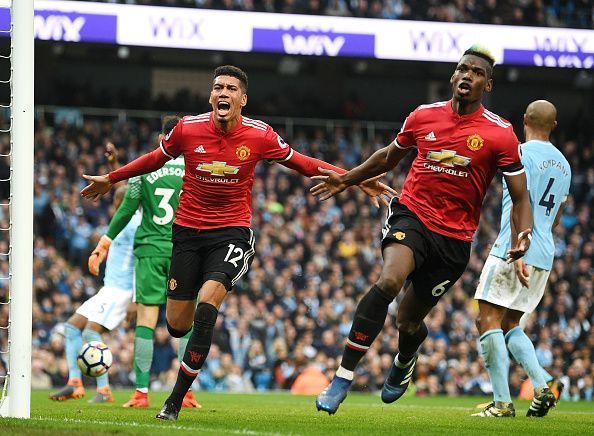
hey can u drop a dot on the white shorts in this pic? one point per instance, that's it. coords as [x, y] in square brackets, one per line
[500, 285]
[107, 307]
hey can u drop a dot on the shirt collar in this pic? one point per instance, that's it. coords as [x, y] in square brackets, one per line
[220, 132]
[476, 114]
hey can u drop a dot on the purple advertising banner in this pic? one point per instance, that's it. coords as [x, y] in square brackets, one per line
[549, 58]
[68, 26]
[316, 43]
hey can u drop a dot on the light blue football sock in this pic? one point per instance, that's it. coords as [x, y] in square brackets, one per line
[497, 363]
[74, 343]
[91, 335]
[522, 349]
[547, 377]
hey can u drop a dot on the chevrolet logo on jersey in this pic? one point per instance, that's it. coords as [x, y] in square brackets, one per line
[449, 158]
[218, 168]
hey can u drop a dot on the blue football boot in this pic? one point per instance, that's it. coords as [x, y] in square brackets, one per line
[333, 395]
[397, 382]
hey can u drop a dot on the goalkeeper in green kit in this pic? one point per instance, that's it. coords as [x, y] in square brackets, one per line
[158, 195]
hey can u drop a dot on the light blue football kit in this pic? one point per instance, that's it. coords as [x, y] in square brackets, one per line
[107, 307]
[549, 177]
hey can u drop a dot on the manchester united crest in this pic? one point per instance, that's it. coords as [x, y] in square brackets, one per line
[243, 152]
[172, 284]
[475, 142]
[400, 235]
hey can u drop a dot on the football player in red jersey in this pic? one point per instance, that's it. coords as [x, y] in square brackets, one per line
[213, 244]
[459, 147]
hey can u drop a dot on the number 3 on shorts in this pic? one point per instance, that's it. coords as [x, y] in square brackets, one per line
[438, 290]
[233, 260]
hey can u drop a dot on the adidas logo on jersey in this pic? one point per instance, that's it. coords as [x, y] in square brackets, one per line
[200, 149]
[431, 136]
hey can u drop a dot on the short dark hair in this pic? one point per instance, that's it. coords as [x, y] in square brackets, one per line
[233, 71]
[483, 53]
[169, 122]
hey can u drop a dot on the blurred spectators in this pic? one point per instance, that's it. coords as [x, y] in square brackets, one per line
[291, 313]
[554, 13]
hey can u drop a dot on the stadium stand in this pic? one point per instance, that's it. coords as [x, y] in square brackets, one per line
[549, 13]
[285, 323]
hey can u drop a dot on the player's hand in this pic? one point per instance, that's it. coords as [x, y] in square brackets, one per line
[99, 186]
[522, 272]
[331, 184]
[521, 247]
[130, 312]
[98, 255]
[111, 153]
[378, 190]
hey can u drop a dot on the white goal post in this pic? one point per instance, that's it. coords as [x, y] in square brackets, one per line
[17, 403]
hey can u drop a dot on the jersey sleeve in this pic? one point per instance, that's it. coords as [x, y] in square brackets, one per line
[127, 209]
[274, 147]
[528, 166]
[508, 154]
[171, 144]
[406, 137]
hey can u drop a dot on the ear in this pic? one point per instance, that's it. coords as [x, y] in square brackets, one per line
[554, 125]
[452, 79]
[489, 85]
[243, 100]
[525, 119]
[210, 99]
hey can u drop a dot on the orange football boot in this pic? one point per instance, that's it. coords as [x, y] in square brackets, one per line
[189, 401]
[74, 389]
[103, 395]
[139, 399]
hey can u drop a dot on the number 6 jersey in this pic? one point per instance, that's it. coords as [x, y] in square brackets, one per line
[549, 177]
[158, 195]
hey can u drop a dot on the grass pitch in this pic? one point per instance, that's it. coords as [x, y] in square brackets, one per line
[279, 413]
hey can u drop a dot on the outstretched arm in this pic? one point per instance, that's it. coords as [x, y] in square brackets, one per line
[378, 163]
[306, 165]
[146, 163]
[521, 215]
[309, 166]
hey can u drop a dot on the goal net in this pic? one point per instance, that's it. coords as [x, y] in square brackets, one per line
[16, 212]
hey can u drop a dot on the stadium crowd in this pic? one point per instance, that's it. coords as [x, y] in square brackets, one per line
[553, 13]
[283, 327]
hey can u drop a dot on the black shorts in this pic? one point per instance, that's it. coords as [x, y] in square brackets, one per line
[223, 255]
[439, 260]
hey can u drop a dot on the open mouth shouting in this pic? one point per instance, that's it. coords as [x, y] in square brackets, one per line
[223, 108]
[464, 89]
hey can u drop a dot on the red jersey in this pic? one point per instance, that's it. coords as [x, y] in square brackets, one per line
[457, 157]
[219, 174]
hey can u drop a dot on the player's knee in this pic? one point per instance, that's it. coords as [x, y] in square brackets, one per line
[390, 286]
[408, 327]
[205, 316]
[177, 333]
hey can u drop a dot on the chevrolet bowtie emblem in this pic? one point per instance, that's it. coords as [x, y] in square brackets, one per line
[449, 158]
[218, 168]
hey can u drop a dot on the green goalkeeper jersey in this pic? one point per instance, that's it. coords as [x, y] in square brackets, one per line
[158, 195]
